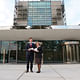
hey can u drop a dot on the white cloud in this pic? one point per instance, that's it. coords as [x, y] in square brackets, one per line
[6, 12]
[72, 12]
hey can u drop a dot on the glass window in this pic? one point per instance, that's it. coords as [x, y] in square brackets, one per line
[39, 13]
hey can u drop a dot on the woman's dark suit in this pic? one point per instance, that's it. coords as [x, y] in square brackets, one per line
[38, 55]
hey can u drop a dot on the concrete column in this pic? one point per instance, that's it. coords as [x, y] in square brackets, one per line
[67, 50]
[4, 53]
[70, 53]
[77, 49]
[74, 56]
[63, 54]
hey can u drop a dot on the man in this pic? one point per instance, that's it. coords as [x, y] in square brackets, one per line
[30, 54]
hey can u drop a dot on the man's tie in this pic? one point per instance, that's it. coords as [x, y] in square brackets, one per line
[31, 45]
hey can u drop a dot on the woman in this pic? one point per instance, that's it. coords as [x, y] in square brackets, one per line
[38, 56]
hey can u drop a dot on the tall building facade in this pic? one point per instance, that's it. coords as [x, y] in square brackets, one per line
[38, 13]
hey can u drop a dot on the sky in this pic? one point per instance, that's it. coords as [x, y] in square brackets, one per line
[72, 11]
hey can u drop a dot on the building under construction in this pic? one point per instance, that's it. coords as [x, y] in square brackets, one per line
[38, 13]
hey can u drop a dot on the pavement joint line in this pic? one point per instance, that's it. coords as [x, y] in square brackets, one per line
[21, 75]
[58, 74]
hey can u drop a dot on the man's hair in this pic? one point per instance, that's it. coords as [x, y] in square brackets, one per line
[30, 37]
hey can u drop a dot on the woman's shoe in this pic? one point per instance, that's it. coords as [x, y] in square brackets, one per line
[27, 71]
[38, 72]
[31, 71]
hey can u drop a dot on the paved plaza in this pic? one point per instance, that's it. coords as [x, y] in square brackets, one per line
[49, 72]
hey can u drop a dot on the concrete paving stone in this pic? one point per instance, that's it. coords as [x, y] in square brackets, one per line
[48, 72]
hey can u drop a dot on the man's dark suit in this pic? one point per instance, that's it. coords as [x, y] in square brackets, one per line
[30, 55]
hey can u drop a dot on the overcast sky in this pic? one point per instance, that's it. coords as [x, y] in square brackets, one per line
[72, 8]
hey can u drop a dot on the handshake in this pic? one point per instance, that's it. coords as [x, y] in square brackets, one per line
[32, 49]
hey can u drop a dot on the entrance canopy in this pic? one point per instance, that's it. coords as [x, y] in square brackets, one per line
[41, 34]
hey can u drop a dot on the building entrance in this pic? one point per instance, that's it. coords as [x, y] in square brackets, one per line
[71, 52]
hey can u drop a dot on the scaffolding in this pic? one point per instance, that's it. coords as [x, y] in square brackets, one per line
[21, 13]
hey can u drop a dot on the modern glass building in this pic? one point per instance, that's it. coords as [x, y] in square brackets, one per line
[38, 13]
